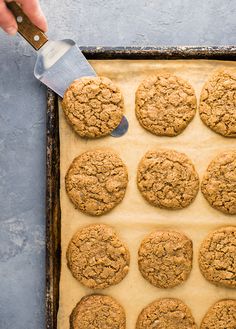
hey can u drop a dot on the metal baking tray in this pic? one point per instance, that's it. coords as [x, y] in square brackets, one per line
[53, 218]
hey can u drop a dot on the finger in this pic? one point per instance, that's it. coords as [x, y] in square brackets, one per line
[33, 10]
[7, 20]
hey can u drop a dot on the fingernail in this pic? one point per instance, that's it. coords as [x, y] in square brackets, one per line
[11, 30]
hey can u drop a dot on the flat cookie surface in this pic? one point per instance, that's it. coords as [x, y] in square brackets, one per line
[97, 257]
[165, 258]
[93, 106]
[222, 315]
[98, 312]
[217, 259]
[96, 181]
[218, 103]
[165, 104]
[167, 179]
[219, 183]
[166, 313]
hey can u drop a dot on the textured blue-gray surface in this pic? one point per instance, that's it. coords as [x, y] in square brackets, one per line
[22, 121]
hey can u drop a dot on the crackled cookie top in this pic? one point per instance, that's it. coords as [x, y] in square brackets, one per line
[98, 312]
[166, 313]
[165, 104]
[222, 315]
[165, 258]
[218, 103]
[219, 183]
[93, 106]
[97, 257]
[217, 259]
[167, 179]
[96, 181]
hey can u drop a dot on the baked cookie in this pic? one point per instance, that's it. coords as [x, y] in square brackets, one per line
[96, 181]
[217, 259]
[93, 106]
[97, 257]
[222, 315]
[165, 104]
[165, 258]
[166, 313]
[219, 183]
[167, 179]
[218, 103]
[98, 312]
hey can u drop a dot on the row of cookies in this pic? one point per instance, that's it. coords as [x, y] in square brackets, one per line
[102, 311]
[96, 181]
[165, 104]
[98, 258]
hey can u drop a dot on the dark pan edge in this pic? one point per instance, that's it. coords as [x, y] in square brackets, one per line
[53, 212]
[211, 52]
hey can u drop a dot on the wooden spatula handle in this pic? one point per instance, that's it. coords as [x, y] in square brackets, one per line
[26, 28]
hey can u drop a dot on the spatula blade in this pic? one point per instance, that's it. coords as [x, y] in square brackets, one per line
[59, 63]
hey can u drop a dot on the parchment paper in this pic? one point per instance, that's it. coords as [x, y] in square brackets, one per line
[134, 217]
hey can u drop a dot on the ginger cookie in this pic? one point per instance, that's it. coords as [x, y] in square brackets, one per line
[217, 259]
[97, 257]
[93, 106]
[167, 179]
[218, 103]
[98, 312]
[165, 104]
[219, 183]
[166, 313]
[222, 315]
[165, 258]
[96, 181]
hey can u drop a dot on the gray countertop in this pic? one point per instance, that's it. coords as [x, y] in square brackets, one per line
[22, 121]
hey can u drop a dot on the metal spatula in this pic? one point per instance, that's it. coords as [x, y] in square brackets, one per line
[58, 62]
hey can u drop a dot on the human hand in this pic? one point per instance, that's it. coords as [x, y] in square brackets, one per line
[30, 7]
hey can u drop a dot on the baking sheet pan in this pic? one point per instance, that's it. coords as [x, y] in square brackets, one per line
[134, 218]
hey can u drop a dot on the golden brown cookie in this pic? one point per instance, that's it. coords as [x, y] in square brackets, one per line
[98, 312]
[167, 179]
[97, 257]
[165, 104]
[96, 181]
[222, 315]
[166, 313]
[217, 257]
[219, 183]
[93, 106]
[218, 103]
[165, 258]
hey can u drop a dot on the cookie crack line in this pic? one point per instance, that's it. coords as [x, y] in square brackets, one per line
[217, 103]
[219, 267]
[158, 258]
[165, 182]
[165, 110]
[219, 183]
[220, 315]
[93, 106]
[97, 257]
[107, 191]
[98, 311]
[169, 312]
